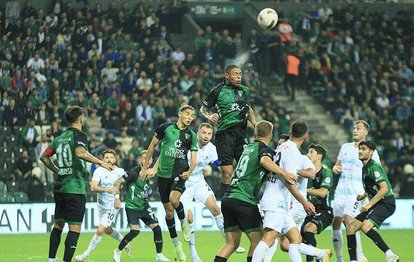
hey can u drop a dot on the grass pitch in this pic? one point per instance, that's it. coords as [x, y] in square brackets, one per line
[34, 247]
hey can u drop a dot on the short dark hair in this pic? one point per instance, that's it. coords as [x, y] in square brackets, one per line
[73, 113]
[230, 67]
[371, 145]
[320, 150]
[298, 128]
[284, 136]
[109, 151]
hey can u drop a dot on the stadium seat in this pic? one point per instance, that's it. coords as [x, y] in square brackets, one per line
[5, 130]
[5, 197]
[2, 188]
[18, 151]
[6, 152]
[12, 141]
[20, 197]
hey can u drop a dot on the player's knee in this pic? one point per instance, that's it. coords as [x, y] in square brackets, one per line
[134, 233]
[336, 223]
[215, 210]
[367, 226]
[169, 214]
[108, 230]
[351, 229]
[284, 246]
[311, 228]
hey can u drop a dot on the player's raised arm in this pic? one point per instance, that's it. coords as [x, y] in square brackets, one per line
[82, 153]
[251, 116]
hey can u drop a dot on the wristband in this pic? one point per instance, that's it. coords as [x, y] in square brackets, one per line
[116, 195]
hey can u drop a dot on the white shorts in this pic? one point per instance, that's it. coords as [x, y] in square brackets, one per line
[346, 206]
[278, 220]
[298, 214]
[107, 216]
[200, 191]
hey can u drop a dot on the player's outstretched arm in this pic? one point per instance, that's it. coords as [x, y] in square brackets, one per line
[309, 207]
[308, 173]
[213, 117]
[271, 166]
[45, 158]
[251, 116]
[82, 153]
[320, 192]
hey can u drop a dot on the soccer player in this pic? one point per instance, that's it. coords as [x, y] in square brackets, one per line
[103, 182]
[173, 169]
[381, 203]
[228, 105]
[345, 205]
[136, 208]
[239, 204]
[318, 192]
[276, 198]
[298, 214]
[71, 178]
[198, 189]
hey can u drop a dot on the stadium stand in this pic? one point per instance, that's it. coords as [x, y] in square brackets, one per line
[111, 58]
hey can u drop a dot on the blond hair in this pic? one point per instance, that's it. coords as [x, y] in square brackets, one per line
[263, 128]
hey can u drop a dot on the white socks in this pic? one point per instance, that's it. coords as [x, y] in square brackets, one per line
[294, 254]
[193, 249]
[271, 252]
[220, 224]
[311, 250]
[338, 243]
[175, 241]
[260, 252]
[116, 235]
[360, 253]
[92, 245]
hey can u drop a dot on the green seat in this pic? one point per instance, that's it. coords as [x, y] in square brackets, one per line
[6, 197]
[20, 197]
[1, 186]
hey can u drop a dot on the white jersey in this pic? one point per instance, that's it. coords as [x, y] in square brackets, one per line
[303, 181]
[350, 180]
[106, 178]
[276, 195]
[205, 155]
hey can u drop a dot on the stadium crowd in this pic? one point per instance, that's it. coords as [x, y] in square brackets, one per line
[119, 62]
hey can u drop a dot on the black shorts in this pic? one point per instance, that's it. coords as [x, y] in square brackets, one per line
[69, 208]
[322, 219]
[166, 185]
[240, 215]
[379, 212]
[230, 144]
[146, 215]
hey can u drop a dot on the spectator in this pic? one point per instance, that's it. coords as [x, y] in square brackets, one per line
[46, 174]
[143, 114]
[29, 135]
[23, 169]
[110, 141]
[11, 114]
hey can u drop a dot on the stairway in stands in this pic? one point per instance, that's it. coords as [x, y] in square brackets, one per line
[319, 121]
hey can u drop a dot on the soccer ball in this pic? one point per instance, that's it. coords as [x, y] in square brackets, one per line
[267, 18]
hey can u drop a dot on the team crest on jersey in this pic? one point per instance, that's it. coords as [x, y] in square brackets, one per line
[328, 180]
[187, 136]
[235, 107]
[240, 93]
[177, 143]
